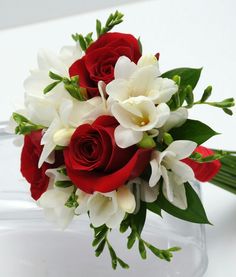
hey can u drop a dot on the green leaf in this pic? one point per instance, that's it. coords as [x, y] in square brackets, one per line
[195, 211]
[82, 42]
[193, 130]
[153, 207]
[188, 79]
[189, 76]
[157, 252]
[25, 126]
[142, 249]
[98, 27]
[18, 118]
[113, 256]
[138, 220]
[228, 111]
[50, 87]
[124, 225]
[122, 263]
[100, 248]
[55, 76]
[131, 239]
[100, 236]
[63, 184]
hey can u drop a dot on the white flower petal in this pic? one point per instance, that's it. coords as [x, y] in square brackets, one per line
[162, 90]
[48, 60]
[115, 220]
[147, 193]
[136, 113]
[101, 208]
[125, 199]
[118, 89]
[70, 54]
[124, 68]
[36, 82]
[40, 110]
[176, 119]
[47, 141]
[65, 111]
[162, 112]
[155, 172]
[184, 171]
[126, 137]
[148, 59]
[182, 148]
[141, 81]
[179, 194]
[167, 185]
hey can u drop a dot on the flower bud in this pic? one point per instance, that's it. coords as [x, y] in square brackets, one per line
[147, 60]
[62, 137]
[167, 138]
[147, 142]
[125, 199]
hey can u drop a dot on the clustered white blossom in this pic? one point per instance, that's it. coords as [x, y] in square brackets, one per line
[137, 98]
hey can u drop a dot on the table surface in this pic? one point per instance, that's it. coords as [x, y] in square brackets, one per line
[186, 33]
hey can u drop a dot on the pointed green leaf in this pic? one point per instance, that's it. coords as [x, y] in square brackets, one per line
[195, 211]
[138, 220]
[50, 87]
[193, 130]
[153, 207]
[189, 76]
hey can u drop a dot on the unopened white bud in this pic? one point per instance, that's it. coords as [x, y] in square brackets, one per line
[147, 60]
[63, 136]
[126, 199]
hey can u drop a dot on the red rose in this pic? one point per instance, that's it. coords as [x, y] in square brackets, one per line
[204, 172]
[30, 155]
[29, 164]
[95, 163]
[100, 59]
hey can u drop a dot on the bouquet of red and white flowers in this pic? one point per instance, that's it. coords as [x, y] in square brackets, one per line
[107, 134]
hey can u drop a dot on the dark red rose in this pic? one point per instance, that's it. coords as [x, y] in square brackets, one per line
[204, 172]
[95, 163]
[100, 59]
[30, 155]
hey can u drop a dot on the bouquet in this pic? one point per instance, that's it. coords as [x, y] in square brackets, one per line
[106, 134]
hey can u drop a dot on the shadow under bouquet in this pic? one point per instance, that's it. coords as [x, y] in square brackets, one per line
[107, 134]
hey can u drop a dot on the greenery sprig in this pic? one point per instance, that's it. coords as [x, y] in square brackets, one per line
[25, 126]
[101, 240]
[186, 80]
[136, 223]
[84, 41]
[111, 22]
[71, 85]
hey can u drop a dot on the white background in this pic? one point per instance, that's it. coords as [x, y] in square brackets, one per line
[187, 33]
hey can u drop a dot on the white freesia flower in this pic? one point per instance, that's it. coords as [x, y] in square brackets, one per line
[175, 173]
[137, 115]
[143, 79]
[106, 208]
[42, 108]
[53, 200]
